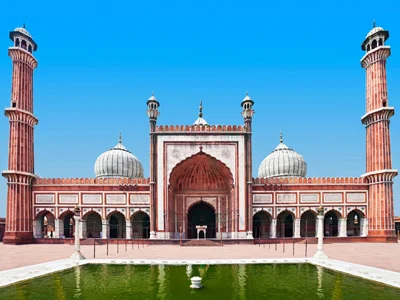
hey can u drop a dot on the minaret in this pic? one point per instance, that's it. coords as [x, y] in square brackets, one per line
[247, 113]
[379, 173]
[153, 113]
[20, 173]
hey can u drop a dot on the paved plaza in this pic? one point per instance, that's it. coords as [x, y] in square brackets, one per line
[384, 256]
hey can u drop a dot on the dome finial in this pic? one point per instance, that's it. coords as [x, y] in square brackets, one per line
[281, 137]
[373, 24]
[23, 25]
[201, 109]
[152, 93]
[120, 138]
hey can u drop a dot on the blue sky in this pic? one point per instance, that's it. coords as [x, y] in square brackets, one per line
[100, 61]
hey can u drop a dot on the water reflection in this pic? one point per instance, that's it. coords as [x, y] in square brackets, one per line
[162, 289]
[242, 281]
[320, 275]
[77, 282]
[189, 271]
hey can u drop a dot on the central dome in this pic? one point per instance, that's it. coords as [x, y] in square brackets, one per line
[118, 162]
[283, 162]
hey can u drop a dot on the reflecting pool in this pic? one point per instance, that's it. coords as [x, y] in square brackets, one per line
[278, 281]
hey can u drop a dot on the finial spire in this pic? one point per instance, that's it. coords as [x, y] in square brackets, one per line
[201, 109]
[152, 93]
[281, 137]
[23, 25]
[120, 138]
[373, 24]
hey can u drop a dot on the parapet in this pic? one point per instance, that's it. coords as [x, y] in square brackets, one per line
[91, 181]
[311, 180]
[200, 128]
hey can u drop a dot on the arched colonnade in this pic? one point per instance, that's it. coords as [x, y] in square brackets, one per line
[287, 225]
[115, 225]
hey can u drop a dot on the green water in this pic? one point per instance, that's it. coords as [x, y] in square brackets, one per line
[302, 281]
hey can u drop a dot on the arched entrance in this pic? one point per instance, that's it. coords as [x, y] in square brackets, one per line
[201, 214]
[261, 225]
[68, 224]
[307, 224]
[284, 227]
[117, 225]
[331, 223]
[140, 222]
[201, 179]
[45, 225]
[92, 225]
[354, 223]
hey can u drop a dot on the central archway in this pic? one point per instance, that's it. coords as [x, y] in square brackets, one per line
[201, 184]
[201, 214]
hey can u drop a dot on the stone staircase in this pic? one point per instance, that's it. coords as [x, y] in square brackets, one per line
[201, 243]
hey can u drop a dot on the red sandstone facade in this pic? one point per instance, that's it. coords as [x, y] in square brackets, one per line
[208, 167]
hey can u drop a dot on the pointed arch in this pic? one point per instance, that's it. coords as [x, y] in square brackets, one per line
[285, 222]
[355, 218]
[45, 224]
[262, 224]
[117, 224]
[201, 171]
[331, 222]
[140, 224]
[92, 224]
[308, 223]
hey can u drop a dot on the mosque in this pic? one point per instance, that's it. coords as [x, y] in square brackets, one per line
[200, 175]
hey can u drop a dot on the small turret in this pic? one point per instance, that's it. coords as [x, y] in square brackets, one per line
[152, 108]
[22, 39]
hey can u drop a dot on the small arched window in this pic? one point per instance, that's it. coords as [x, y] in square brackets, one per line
[374, 44]
[30, 48]
[380, 42]
[14, 104]
[23, 44]
[17, 43]
[384, 103]
[368, 48]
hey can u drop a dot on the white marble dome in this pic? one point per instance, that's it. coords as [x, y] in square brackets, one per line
[118, 162]
[374, 30]
[283, 162]
[23, 31]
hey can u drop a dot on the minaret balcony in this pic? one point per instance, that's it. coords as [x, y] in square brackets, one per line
[20, 115]
[380, 176]
[377, 115]
[379, 53]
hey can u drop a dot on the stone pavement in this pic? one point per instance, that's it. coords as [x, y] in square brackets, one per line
[385, 256]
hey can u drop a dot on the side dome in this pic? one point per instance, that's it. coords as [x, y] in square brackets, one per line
[283, 162]
[118, 162]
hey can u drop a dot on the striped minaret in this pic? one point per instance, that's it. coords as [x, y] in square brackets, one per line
[248, 113]
[379, 173]
[19, 218]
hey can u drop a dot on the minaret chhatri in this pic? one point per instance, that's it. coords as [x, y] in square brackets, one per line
[379, 173]
[20, 173]
[247, 113]
[153, 113]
